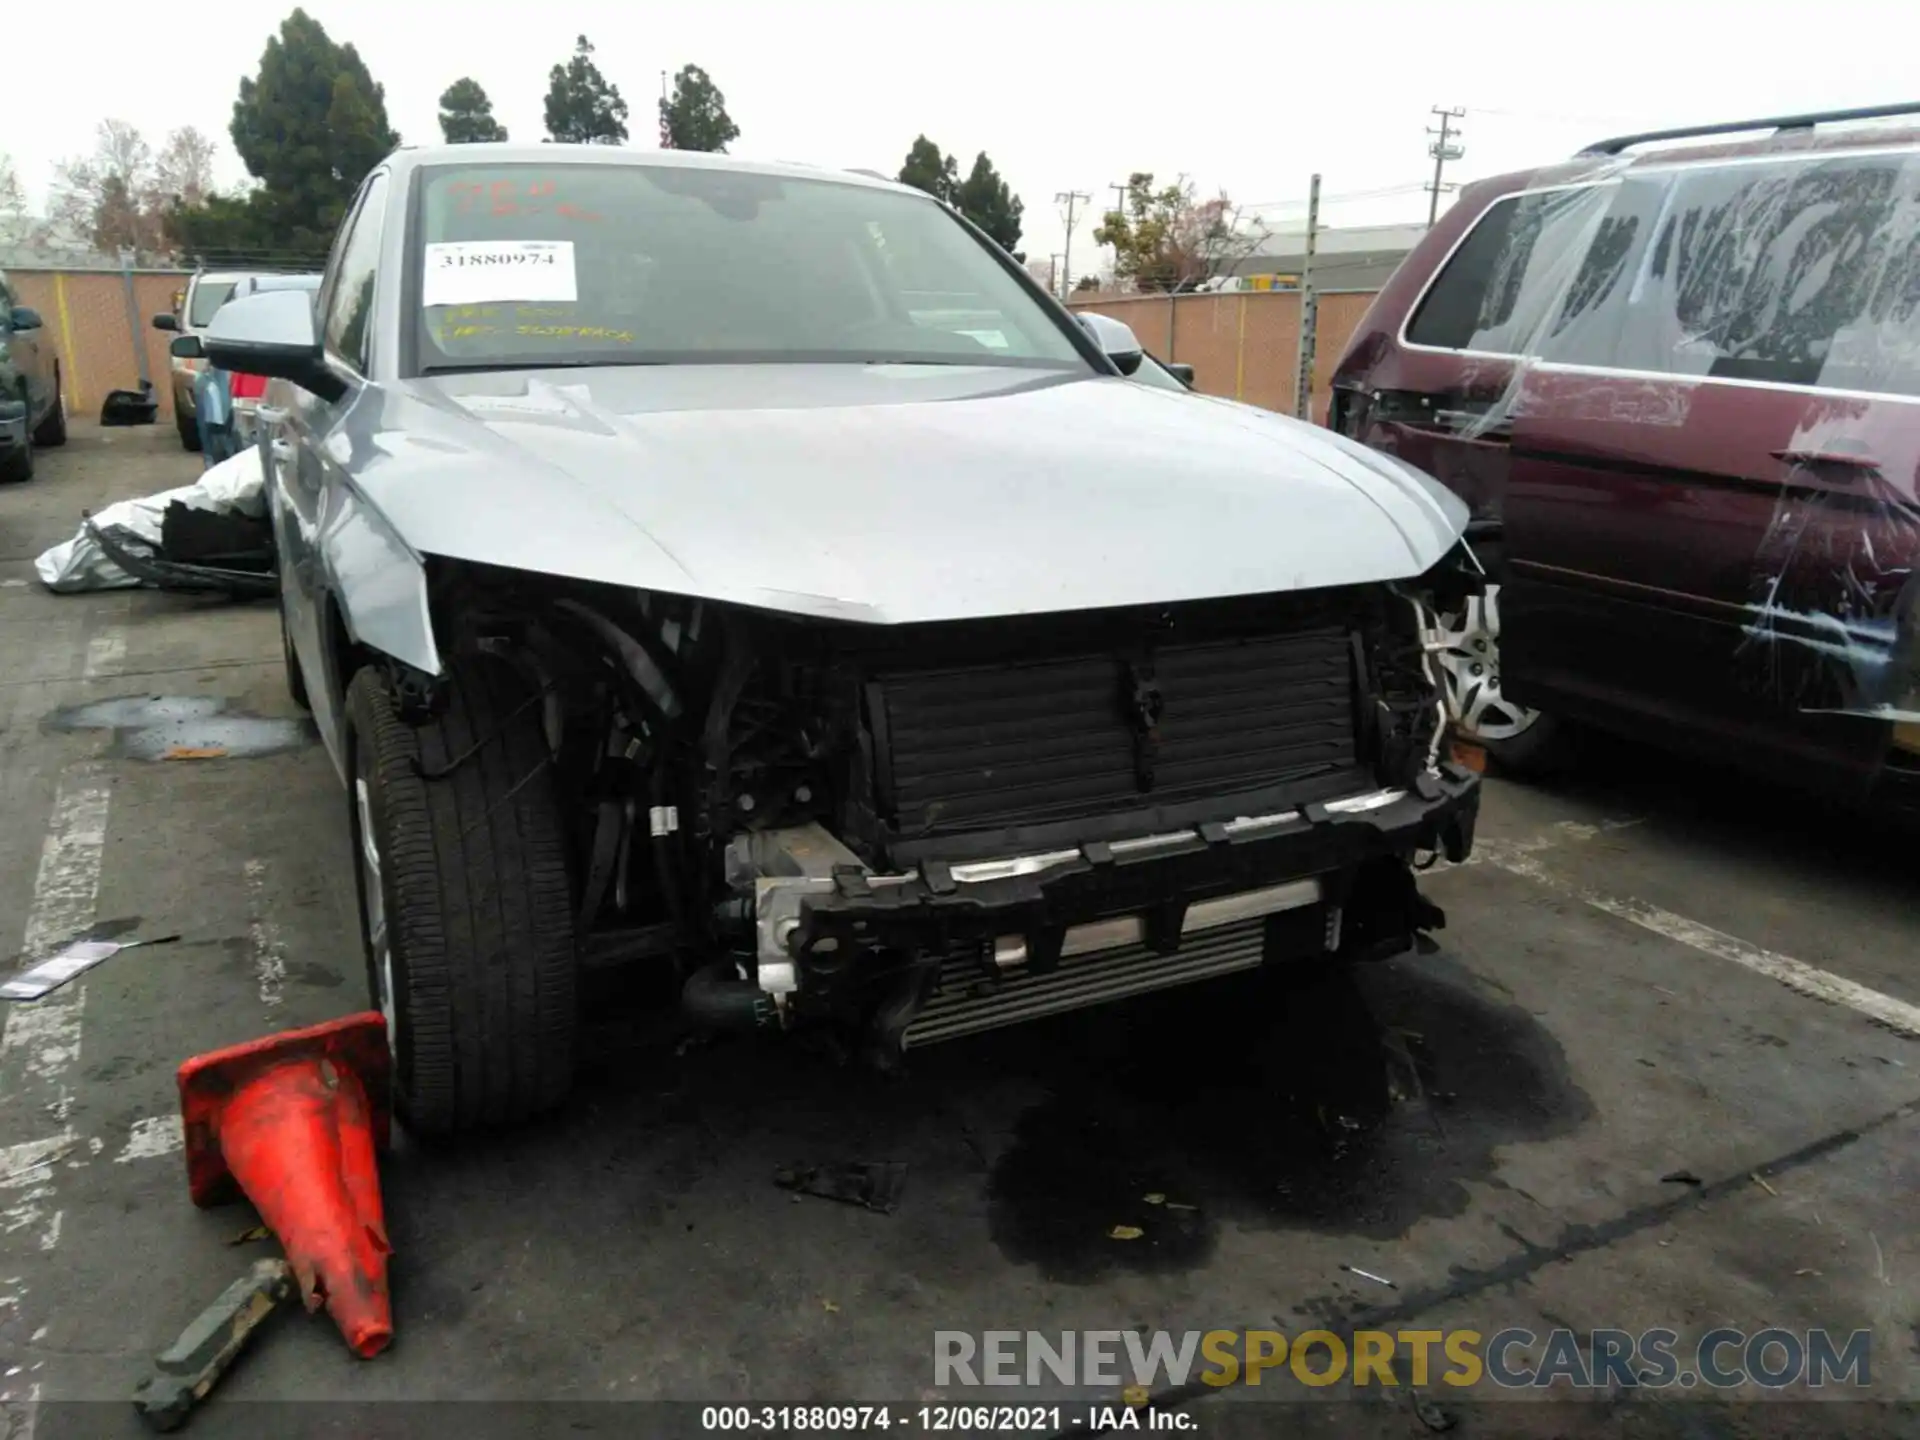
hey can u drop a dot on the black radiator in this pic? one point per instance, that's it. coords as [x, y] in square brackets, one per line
[1019, 746]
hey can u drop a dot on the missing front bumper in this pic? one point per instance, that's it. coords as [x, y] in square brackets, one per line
[1064, 928]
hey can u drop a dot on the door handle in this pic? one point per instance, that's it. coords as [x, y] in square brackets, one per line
[271, 414]
[283, 451]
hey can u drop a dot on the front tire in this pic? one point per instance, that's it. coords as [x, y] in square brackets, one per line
[465, 905]
[189, 429]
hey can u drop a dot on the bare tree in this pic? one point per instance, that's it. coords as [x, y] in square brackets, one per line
[184, 171]
[107, 199]
[14, 222]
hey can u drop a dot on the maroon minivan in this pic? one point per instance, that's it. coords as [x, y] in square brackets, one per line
[1679, 389]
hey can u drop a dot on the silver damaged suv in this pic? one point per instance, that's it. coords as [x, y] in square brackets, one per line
[746, 574]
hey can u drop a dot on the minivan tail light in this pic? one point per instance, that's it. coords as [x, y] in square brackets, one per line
[247, 387]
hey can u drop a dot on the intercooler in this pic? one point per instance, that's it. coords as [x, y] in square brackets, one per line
[994, 747]
[967, 1001]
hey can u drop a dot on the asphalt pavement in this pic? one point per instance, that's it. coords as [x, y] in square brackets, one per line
[1649, 971]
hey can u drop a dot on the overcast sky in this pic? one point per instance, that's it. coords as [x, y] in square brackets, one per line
[1063, 95]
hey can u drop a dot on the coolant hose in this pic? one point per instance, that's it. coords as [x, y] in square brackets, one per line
[717, 998]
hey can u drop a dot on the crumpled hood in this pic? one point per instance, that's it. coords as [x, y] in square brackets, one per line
[886, 494]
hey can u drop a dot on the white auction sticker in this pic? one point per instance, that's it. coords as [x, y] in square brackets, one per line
[479, 272]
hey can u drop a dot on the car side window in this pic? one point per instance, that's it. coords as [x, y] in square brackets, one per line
[1802, 272]
[1500, 284]
[349, 309]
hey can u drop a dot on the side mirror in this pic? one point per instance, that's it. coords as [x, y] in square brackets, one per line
[25, 319]
[273, 334]
[1115, 339]
[166, 322]
[186, 347]
[1182, 373]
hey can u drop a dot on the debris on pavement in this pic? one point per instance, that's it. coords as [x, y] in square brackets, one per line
[873, 1185]
[188, 1369]
[1681, 1177]
[194, 752]
[210, 535]
[1430, 1414]
[1125, 1232]
[293, 1121]
[130, 407]
[1760, 1180]
[1369, 1275]
[71, 961]
[249, 1235]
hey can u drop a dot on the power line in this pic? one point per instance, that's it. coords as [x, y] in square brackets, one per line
[1442, 150]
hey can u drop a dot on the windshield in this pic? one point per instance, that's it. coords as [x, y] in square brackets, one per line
[208, 296]
[528, 265]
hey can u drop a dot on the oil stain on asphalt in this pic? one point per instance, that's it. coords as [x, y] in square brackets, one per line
[184, 727]
[1356, 1103]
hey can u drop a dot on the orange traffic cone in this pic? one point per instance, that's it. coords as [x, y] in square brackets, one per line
[294, 1120]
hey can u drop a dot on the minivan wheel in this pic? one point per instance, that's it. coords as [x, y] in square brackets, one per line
[465, 905]
[1467, 654]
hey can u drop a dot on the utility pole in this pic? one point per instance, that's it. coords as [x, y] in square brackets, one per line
[1309, 309]
[1053, 273]
[1069, 198]
[1445, 147]
[1119, 197]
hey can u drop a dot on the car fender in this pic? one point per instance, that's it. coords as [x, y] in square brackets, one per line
[378, 586]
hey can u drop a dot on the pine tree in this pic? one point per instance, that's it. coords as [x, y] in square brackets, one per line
[309, 127]
[929, 170]
[466, 115]
[582, 106]
[696, 118]
[985, 199]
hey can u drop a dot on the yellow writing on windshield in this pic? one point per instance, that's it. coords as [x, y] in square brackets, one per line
[570, 332]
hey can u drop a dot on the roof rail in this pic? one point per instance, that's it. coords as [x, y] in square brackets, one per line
[874, 175]
[1733, 127]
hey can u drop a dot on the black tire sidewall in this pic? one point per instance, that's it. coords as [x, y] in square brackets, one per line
[296, 681]
[361, 767]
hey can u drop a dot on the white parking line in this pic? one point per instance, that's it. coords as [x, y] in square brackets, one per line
[40, 1043]
[269, 951]
[1523, 858]
[154, 1136]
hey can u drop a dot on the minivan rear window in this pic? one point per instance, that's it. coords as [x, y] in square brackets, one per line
[1501, 282]
[1797, 273]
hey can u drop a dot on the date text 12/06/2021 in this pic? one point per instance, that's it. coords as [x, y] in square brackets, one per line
[944, 1419]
